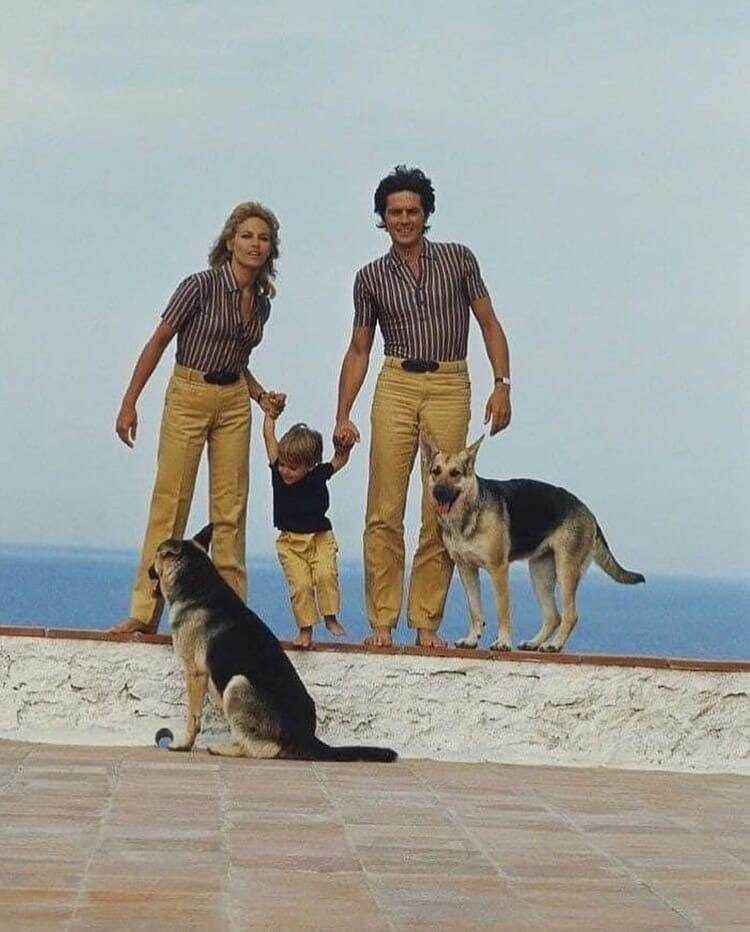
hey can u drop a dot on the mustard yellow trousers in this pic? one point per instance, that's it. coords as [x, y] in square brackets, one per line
[404, 404]
[197, 414]
[309, 564]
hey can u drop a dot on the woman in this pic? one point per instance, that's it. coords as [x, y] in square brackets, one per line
[218, 317]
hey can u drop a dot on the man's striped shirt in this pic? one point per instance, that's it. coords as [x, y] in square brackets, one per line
[424, 318]
[211, 332]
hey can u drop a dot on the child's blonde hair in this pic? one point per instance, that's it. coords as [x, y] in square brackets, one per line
[301, 447]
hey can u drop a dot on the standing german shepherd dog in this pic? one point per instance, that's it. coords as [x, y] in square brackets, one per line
[489, 523]
[223, 644]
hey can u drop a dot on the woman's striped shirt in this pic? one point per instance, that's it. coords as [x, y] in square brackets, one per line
[211, 332]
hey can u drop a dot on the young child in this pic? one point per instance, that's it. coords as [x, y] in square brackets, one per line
[306, 546]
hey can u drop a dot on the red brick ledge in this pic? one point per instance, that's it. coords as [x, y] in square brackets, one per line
[598, 660]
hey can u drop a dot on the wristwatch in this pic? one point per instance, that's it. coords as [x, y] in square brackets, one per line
[502, 380]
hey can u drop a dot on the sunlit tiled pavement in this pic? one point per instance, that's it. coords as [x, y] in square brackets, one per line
[112, 838]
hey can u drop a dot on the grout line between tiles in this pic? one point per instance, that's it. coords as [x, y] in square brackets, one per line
[223, 827]
[481, 847]
[18, 771]
[629, 873]
[118, 768]
[352, 847]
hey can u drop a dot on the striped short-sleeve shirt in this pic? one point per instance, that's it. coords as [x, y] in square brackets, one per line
[425, 318]
[211, 332]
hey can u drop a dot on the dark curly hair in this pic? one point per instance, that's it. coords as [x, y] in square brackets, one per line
[405, 179]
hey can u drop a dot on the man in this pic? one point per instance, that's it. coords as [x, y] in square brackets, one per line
[420, 294]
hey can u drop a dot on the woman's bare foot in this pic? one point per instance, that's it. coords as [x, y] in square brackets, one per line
[427, 638]
[334, 627]
[304, 638]
[133, 626]
[381, 637]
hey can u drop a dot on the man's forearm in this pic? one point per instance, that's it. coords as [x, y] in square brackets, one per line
[497, 349]
[353, 372]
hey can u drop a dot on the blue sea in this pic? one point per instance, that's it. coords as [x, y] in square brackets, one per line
[669, 616]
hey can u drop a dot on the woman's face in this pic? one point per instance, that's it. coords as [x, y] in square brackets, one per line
[251, 244]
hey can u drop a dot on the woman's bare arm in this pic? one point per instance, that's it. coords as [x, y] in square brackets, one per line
[126, 425]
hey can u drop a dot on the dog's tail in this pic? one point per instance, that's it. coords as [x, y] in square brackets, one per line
[315, 749]
[604, 559]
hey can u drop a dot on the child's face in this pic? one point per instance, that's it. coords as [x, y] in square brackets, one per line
[291, 474]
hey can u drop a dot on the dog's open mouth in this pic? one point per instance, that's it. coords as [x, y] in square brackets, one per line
[444, 499]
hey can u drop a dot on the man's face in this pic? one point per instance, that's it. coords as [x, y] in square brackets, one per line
[404, 218]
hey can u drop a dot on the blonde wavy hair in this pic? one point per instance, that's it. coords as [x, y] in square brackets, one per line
[301, 447]
[220, 252]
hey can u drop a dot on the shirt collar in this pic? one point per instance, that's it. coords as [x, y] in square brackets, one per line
[428, 252]
[227, 277]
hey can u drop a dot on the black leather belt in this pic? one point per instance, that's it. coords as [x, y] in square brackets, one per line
[220, 377]
[419, 365]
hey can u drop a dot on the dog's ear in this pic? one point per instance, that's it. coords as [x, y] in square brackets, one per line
[172, 548]
[471, 452]
[429, 448]
[203, 538]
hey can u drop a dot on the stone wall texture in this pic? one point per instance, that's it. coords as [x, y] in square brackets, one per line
[88, 692]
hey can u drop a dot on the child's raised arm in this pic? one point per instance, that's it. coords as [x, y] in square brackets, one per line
[340, 456]
[269, 437]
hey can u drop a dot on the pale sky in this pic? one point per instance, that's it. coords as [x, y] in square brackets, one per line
[593, 155]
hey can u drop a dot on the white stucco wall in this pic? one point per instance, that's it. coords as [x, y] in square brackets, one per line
[90, 692]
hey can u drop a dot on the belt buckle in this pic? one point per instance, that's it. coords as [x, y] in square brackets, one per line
[419, 365]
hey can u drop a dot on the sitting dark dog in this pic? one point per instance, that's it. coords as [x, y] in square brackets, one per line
[222, 643]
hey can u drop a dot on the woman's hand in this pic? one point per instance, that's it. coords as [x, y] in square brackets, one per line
[127, 424]
[272, 403]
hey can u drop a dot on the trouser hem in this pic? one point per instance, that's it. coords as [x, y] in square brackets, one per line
[425, 625]
[302, 623]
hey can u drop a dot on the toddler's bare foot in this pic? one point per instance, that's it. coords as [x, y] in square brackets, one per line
[381, 637]
[304, 638]
[334, 627]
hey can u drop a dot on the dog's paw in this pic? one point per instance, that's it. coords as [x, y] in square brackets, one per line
[181, 746]
[467, 642]
[527, 645]
[501, 645]
[549, 648]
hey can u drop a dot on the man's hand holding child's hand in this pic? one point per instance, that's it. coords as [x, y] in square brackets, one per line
[342, 446]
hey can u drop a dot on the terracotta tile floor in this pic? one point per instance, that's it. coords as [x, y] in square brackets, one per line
[123, 838]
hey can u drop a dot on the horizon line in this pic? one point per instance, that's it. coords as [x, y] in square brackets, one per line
[132, 553]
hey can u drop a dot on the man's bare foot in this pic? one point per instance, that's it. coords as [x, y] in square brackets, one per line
[427, 638]
[333, 626]
[134, 626]
[304, 638]
[381, 637]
